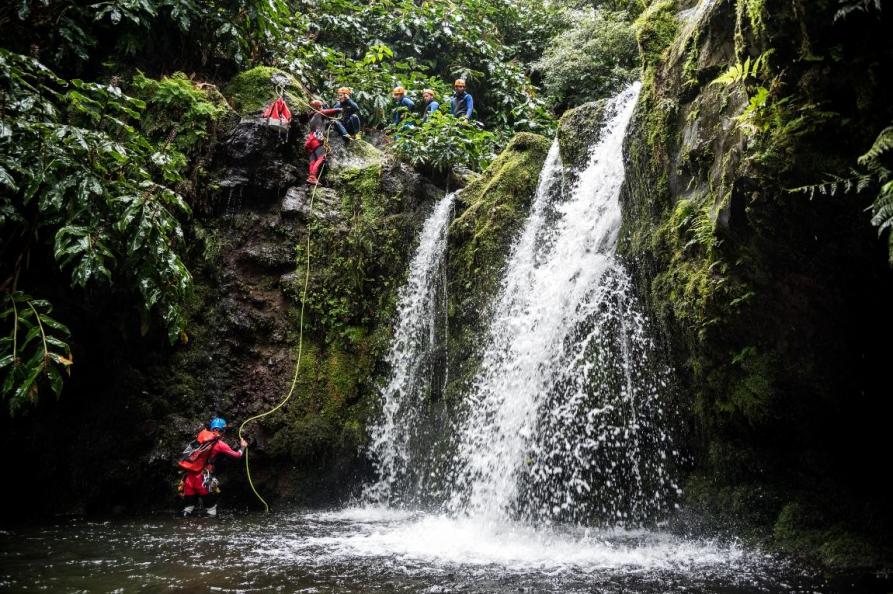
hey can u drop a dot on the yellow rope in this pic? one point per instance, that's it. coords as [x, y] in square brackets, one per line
[294, 380]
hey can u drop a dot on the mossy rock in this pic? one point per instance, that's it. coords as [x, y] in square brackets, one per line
[802, 530]
[578, 129]
[357, 154]
[656, 30]
[248, 92]
[495, 205]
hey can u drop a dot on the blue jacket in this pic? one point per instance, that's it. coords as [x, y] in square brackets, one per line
[430, 108]
[348, 108]
[404, 102]
[461, 105]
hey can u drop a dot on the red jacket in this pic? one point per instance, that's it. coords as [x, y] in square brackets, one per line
[207, 457]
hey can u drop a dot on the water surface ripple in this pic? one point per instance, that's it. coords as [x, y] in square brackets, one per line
[373, 549]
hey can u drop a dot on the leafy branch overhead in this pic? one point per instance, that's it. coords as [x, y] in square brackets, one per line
[34, 353]
[82, 177]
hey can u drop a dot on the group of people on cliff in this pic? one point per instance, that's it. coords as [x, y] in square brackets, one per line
[344, 116]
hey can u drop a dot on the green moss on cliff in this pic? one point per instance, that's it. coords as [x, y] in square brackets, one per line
[327, 408]
[748, 279]
[495, 205]
[578, 130]
[655, 30]
[249, 91]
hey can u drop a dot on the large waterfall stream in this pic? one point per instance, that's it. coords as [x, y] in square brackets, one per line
[564, 420]
[556, 474]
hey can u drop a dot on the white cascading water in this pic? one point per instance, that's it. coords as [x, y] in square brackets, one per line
[420, 306]
[563, 421]
[561, 449]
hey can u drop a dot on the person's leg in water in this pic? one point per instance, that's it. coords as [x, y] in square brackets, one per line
[193, 488]
[189, 505]
[210, 500]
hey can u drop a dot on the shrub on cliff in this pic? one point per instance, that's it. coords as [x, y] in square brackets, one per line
[592, 60]
[442, 141]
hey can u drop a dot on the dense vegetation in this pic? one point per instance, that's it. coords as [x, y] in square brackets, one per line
[105, 139]
[770, 288]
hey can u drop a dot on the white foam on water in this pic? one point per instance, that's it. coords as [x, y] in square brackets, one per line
[437, 540]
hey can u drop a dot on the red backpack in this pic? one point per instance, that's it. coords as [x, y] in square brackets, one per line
[195, 457]
[277, 113]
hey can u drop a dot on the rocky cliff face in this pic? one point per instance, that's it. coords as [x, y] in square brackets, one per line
[773, 301]
[246, 315]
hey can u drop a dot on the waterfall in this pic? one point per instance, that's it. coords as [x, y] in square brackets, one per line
[564, 420]
[415, 359]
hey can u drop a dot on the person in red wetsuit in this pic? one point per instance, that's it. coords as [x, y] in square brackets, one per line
[315, 144]
[198, 462]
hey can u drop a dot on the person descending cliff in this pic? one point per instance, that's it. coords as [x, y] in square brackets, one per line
[461, 103]
[349, 123]
[198, 481]
[402, 105]
[315, 142]
[431, 104]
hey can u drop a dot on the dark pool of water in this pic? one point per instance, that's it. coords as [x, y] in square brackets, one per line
[377, 550]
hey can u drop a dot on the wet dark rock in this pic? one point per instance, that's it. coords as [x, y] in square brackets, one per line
[270, 256]
[253, 141]
[257, 160]
[296, 203]
[579, 129]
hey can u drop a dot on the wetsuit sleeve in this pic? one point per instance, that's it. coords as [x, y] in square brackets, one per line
[330, 112]
[221, 448]
[469, 107]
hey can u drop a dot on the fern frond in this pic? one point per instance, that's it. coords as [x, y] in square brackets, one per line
[836, 184]
[740, 72]
[882, 144]
[851, 6]
[882, 208]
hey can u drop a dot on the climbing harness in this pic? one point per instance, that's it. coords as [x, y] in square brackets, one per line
[294, 381]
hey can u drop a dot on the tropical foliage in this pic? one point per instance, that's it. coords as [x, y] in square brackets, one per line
[442, 141]
[83, 185]
[34, 353]
[590, 61]
[72, 35]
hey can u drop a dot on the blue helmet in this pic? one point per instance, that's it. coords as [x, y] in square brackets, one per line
[218, 423]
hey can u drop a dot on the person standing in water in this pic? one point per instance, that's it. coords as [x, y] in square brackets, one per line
[198, 460]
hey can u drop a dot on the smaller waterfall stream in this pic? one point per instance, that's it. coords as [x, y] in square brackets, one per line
[414, 365]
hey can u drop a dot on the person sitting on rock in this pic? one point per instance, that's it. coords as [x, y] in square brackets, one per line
[315, 144]
[198, 462]
[349, 124]
[461, 103]
[402, 105]
[431, 104]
